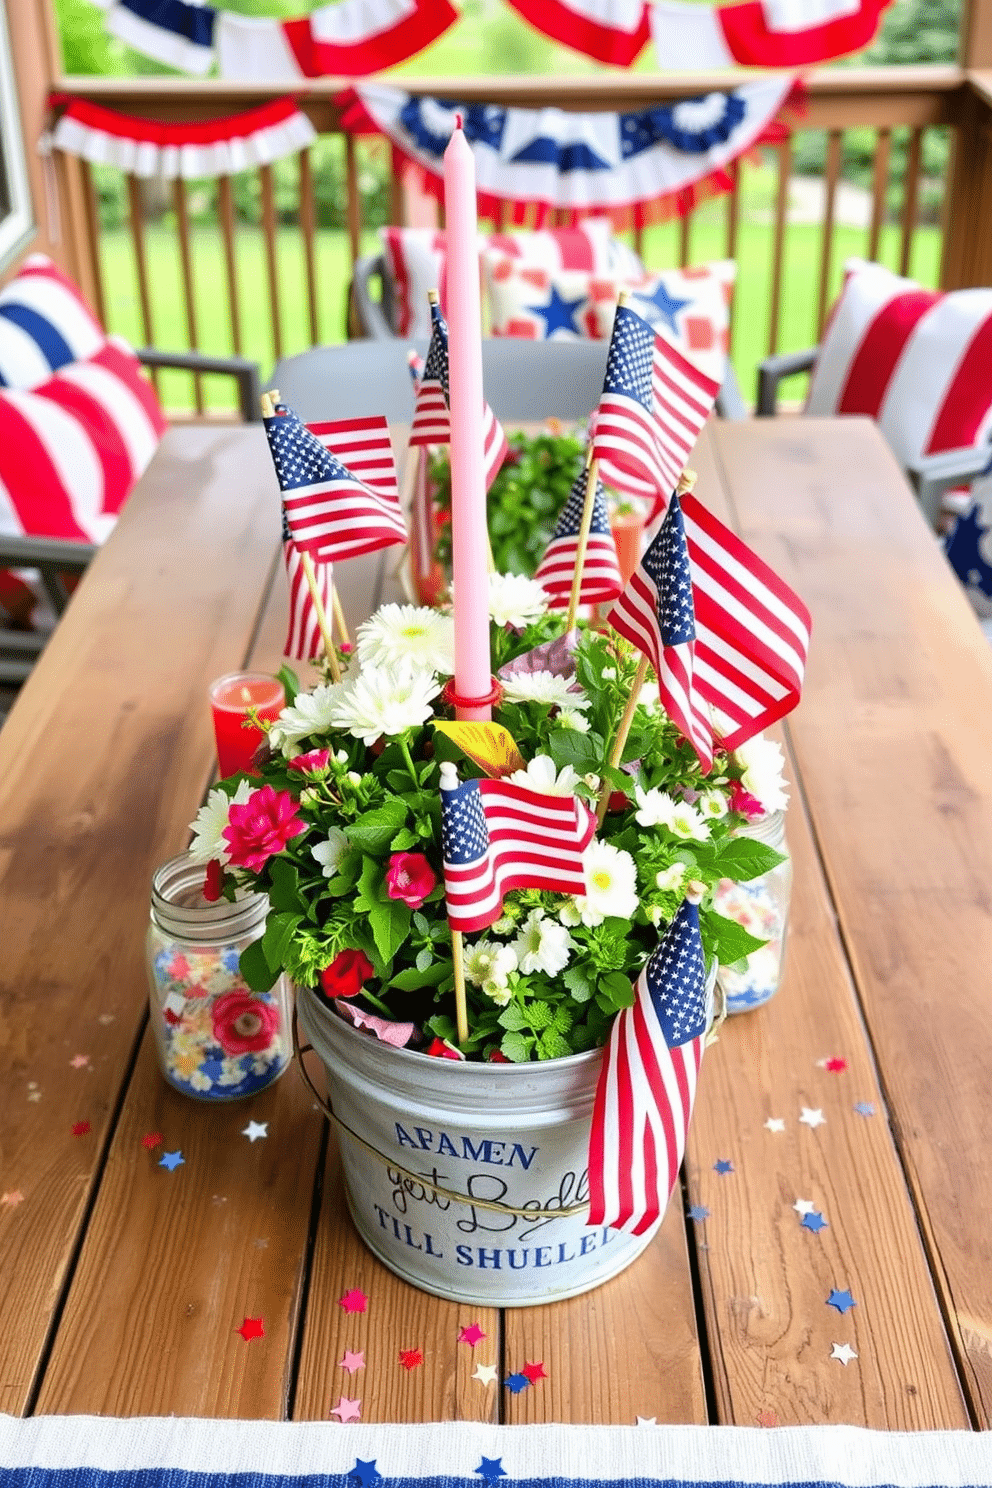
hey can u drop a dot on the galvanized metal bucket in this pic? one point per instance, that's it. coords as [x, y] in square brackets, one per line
[468, 1180]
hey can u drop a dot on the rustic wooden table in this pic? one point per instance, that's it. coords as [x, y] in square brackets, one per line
[124, 1284]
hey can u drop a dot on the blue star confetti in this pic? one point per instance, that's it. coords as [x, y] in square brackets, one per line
[516, 1382]
[365, 1473]
[171, 1160]
[843, 1301]
[864, 1108]
[722, 1165]
[814, 1222]
[699, 1212]
[492, 1468]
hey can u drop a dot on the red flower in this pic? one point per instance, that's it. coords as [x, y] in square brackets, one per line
[261, 828]
[742, 801]
[441, 1049]
[410, 877]
[496, 1056]
[346, 974]
[244, 1024]
[213, 882]
[310, 764]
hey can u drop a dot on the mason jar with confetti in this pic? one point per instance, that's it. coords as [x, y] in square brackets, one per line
[216, 1038]
[761, 906]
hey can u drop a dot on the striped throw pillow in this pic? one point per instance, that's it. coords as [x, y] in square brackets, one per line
[71, 449]
[916, 360]
[44, 324]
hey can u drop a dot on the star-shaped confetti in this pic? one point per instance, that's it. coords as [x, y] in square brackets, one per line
[251, 1328]
[151, 1140]
[812, 1118]
[410, 1358]
[864, 1108]
[516, 1382]
[486, 1374]
[842, 1351]
[471, 1335]
[723, 1165]
[354, 1301]
[347, 1410]
[814, 1221]
[12, 1199]
[171, 1160]
[80, 1061]
[804, 1206]
[491, 1468]
[767, 1418]
[365, 1473]
[841, 1300]
[646, 1421]
[535, 1372]
[351, 1361]
[835, 1065]
[775, 1124]
[698, 1212]
[80, 1128]
[255, 1130]
[34, 1094]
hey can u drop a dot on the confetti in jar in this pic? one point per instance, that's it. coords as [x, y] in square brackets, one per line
[762, 908]
[216, 1038]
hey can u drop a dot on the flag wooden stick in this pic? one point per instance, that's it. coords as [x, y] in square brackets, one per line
[622, 732]
[458, 965]
[321, 613]
[592, 479]
[339, 615]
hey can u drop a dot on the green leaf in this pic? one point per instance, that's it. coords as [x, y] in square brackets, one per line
[742, 858]
[516, 1048]
[411, 979]
[279, 932]
[725, 939]
[403, 841]
[615, 992]
[552, 1045]
[425, 958]
[290, 682]
[284, 886]
[538, 1015]
[255, 969]
[390, 926]
[512, 1017]
[374, 831]
[578, 983]
[567, 747]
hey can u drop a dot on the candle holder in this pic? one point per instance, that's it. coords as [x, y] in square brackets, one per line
[233, 698]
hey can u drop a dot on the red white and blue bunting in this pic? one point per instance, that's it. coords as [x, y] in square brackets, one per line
[612, 31]
[634, 167]
[761, 33]
[215, 147]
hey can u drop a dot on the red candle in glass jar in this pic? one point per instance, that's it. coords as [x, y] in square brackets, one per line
[231, 699]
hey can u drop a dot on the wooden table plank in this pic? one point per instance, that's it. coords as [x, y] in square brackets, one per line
[101, 760]
[893, 746]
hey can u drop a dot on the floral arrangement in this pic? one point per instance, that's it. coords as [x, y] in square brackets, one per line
[340, 827]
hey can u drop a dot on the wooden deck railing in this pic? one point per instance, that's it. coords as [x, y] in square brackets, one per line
[778, 305]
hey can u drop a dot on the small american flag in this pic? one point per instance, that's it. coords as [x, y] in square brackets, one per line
[653, 405]
[647, 1084]
[363, 445]
[655, 612]
[331, 513]
[601, 579]
[431, 418]
[303, 638]
[497, 836]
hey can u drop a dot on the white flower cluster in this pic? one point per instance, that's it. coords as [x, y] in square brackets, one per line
[762, 764]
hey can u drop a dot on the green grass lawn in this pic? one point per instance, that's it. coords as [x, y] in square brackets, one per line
[708, 240]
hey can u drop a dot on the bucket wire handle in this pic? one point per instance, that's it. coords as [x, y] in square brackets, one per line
[421, 1179]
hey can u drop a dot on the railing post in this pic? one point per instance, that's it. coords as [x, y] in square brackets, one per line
[967, 255]
[976, 34]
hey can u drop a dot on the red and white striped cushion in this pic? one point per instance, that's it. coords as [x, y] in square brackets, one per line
[44, 324]
[71, 450]
[916, 360]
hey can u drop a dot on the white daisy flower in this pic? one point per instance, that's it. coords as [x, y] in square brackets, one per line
[385, 700]
[486, 963]
[541, 775]
[330, 852]
[689, 823]
[515, 600]
[543, 687]
[569, 915]
[713, 804]
[569, 718]
[611, 881]
[762, 764]
[670, 879]
[543, 944]
[655, 808]
[311, 713]
[210, 821]
[414, 633]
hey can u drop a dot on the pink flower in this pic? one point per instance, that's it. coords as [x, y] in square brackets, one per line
[346, 974]
[410, 877]
[742, 801]
[244, 1024]
[310, 764]
[261, 827]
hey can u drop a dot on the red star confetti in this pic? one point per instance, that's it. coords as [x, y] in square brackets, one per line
[534, 1372]
[12, 1199]
[410, 1358]
[347, 1410]
[351, 1361]
[80, 1128]
[251, 1328]
[471, 1335]
[354, 1301]
[151, 1140]
[835, 1065]
[767, 1418]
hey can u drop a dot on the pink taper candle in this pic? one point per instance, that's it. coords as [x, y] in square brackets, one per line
[470, 560]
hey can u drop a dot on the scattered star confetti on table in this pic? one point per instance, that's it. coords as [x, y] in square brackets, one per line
[12, 1199]
[834, 1064]
[864, 1108]
[80, 1128]
[254, 1130]
[491, 1468]
[723, 1165]
[472, 1334]
[804, 1206]
[365, 1473]
[812, 1118]
[841, 1300]
[151, 1140]
[767, 1418]
[844, 1352]
[486, 1374]
[351, 1361]
[34, 1094]
[646, 1421]
[81, 1061]
[698, 1212]
[347, 1410]
[535, 1372]
[516, 1382]
[410, 1358]
[775, 1124]
[251, 1328]
[171, 1160]
[354, 1301]
[814, 1221]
